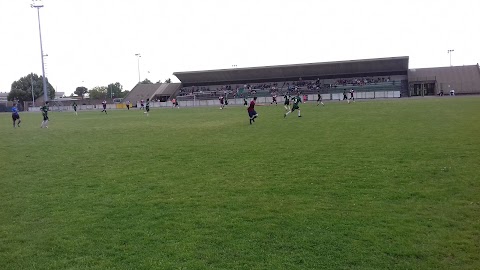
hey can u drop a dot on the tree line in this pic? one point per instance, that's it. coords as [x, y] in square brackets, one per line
[30, 87]
[21, 90]
[113, 90]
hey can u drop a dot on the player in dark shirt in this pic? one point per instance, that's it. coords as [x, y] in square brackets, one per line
[104, 105]
[252, 114]
[319, 100]
[345, 94]
[44, 110]
[296, 100]
[74, 105]
[286, 102]
[351, 96]
[245, 103]
[147, 107]
[128, 105]
[222, 102]
[15, 115]
[142, 106]
[274, 99]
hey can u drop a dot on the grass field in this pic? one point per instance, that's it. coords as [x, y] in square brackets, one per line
[390, 184]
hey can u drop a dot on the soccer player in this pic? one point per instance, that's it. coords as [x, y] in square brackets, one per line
[44, 110]
[274, 99]
[252, 114]
[245, 103]
[128, 105]
[345, 95]
[147, 107]
[222, 102]
[286, 102]
[296, 100]
[104, 104]
[15, 115]
[351, 95]
[142, 105]
[175, 103]
[319, 100]
[74, 105]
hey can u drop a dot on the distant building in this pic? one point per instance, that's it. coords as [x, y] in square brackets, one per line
[432, 81]
[3, 96]
[59, 95]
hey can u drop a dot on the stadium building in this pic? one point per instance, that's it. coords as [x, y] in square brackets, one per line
[369, 78]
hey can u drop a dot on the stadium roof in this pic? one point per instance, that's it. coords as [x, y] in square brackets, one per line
[352, 68]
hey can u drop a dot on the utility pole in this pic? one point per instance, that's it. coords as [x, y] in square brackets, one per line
[33, 96]
[38, 4]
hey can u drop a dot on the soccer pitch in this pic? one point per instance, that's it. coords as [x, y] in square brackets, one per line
[391, 184]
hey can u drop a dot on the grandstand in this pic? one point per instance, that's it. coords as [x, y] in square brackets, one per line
[312, 71]
[371, 75]
[158, 91]
[305, 87]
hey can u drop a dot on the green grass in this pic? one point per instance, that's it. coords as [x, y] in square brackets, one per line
[390, 184]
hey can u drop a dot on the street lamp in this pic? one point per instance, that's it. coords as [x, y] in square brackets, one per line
[38, 4]
[450, 52]
[138, 63]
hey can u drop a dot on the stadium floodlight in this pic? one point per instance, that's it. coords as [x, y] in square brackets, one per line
[450, 52]
[138, 64]
[38, 4]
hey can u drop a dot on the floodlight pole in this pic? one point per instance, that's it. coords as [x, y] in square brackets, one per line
[33, 96]
[138, 63]
[38, 5]
[450, 52]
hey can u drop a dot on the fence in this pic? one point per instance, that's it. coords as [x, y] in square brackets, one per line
[310, 97]
[215, 102]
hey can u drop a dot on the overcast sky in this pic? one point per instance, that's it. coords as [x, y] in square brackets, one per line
[94, 42]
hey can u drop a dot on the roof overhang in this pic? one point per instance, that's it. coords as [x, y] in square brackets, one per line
[352, 68]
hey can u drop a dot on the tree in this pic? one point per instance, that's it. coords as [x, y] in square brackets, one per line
[98, 92]
[146, 81]
[21, 90]
[114, 90]
[168, 80]
[81, 91]
[125, 93]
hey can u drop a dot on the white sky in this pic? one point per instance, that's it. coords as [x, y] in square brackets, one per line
[93, 42]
